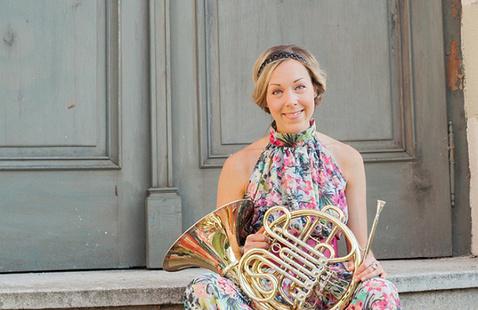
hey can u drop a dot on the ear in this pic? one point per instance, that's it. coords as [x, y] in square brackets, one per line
[316, 96]
[316, 90]
[265, 108]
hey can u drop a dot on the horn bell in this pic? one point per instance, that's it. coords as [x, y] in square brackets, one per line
[212, 242]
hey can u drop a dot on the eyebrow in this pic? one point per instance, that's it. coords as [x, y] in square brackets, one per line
[293, 82]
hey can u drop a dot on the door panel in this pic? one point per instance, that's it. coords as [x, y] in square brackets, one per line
[54, 107]
[385, 92]
[74, 153]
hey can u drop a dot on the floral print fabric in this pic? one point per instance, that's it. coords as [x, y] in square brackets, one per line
[296, 171]
[211, 291]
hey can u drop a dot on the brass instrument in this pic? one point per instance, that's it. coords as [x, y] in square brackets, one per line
[298, 269]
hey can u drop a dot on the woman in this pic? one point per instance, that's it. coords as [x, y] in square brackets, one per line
[298, 167]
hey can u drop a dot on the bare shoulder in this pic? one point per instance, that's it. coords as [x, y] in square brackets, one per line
[243, 161]
[236, 171]
[348, 158]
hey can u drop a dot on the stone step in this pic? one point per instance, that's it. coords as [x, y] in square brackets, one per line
[423, 284]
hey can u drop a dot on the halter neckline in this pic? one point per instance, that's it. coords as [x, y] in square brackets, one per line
[279, 139]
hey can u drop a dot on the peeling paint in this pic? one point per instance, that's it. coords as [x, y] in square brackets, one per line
[454, 74]
[9, 37]
[71, 105]
[455, 8]
[76, 4]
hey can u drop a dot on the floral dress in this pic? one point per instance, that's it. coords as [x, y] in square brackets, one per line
[296, 171]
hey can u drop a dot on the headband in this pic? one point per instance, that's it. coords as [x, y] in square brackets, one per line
[280, 55]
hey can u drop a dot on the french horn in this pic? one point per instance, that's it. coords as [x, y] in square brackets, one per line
[302, 268]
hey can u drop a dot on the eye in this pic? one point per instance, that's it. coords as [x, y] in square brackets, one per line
[276, 92]
[300, 86]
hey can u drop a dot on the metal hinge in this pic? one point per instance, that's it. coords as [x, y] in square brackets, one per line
[451, 162]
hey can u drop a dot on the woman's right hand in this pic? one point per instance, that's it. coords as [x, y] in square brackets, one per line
[257, 240]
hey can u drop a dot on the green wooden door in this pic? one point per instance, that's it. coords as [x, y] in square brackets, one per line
[385, 97]
[74, 153]
[75, 111]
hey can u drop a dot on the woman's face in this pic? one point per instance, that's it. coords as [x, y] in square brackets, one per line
[290, 97]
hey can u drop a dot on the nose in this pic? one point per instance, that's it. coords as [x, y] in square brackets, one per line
[291, 97]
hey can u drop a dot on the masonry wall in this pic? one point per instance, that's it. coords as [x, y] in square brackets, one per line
[470, 63]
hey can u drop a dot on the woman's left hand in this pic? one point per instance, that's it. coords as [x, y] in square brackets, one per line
[370, 268]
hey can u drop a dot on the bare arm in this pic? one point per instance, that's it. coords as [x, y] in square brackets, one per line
[232, 180]
[355, 192]
[357, 205]
[232, 186]
[236, 171]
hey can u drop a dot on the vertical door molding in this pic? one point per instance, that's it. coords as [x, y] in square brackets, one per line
[163, 204]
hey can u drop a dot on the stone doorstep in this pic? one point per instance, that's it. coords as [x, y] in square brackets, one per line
[120, 288]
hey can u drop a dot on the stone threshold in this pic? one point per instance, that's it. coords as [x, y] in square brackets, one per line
[141, 287]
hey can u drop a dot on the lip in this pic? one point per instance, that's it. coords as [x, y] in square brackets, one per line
[293, 115]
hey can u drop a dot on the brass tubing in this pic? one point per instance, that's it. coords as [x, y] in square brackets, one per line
[308, 229]
[380, 204]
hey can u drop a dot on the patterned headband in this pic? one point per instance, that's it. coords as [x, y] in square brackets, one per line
[280, 55]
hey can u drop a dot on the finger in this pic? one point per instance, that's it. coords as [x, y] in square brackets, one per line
[261, 232]
[371, 272]
[367, 275]
[257, 238]
[362, 276]
[255, 245]
[369, 260]
[362, 267]
[262, 245]
[363, 270]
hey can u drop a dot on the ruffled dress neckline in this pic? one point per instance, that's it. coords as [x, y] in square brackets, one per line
[279, 139]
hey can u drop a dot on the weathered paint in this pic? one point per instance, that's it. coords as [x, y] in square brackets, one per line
[455, 9]
[461, 217]
[454, 74]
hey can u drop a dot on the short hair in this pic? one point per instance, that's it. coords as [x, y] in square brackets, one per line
[274, 56]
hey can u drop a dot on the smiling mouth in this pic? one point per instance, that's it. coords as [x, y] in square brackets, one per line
[293, 114]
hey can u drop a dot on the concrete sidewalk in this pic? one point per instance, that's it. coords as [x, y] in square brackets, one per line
[423, 284]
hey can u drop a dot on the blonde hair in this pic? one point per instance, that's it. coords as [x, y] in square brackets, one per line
[271, 58]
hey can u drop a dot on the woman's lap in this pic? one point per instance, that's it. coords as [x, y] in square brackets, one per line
[212, 291]
[376, 294]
